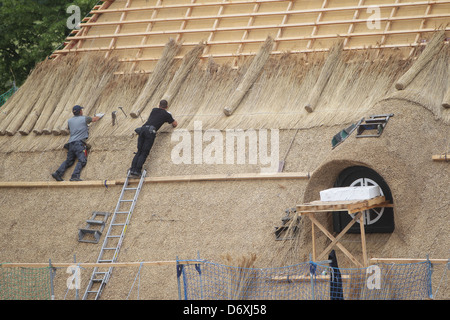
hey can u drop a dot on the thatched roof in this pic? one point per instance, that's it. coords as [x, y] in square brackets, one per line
[213, 218]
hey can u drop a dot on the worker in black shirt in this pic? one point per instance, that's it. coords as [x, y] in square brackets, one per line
[147, 135]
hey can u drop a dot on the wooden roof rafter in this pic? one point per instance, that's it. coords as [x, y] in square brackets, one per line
[84, 29]
[144, 39]
[253, 27]
[316, 26]
[216, 23]
[250, 22]
[230, 30]
[283, 22]
[117, 31]
[351, 27]
[219, 3]
[422, 25]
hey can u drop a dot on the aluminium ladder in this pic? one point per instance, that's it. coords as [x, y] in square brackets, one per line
[113, 239]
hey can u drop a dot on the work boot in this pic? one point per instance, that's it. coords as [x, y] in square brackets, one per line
[57, 177]
[75, 179]
[134, 173]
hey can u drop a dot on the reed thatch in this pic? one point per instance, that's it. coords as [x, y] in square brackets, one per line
[446, 100]
[89, 86]
[435, 44]
[67, 67]
[429, 87]
[56, 82]
[18, 106]
[252, 73]
[274, 100]
[162, 67]
[190, 60]
[325, 74]
[180, 219]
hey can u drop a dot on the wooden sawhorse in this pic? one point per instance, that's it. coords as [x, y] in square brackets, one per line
[355, 207]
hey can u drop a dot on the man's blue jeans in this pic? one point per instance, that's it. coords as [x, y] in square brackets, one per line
[76, 151]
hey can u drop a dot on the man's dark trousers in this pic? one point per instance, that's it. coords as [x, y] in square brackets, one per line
[145, 143]
[76, 151]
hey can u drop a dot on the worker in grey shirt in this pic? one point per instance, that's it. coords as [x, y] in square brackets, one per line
[76, 146]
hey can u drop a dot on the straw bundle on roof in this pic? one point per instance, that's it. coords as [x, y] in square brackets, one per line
[327, 70]
[433, 47]
[250, 77]
[189, 61]
[95, 77]
[277, 98]
[446, 100]
[71, 91]
[121, 91]
[429, 88]
[50, 93]
[162, 67]
[59, 92]
[18, 108]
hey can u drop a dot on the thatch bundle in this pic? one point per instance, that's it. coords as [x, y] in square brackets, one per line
[446, 100]
[162, 67]
[433, 47]
[62, 77]
[18, 106]
[57, 81]
[325, 74]
[190, 60]
[117, 97]
[199, 90]
[429, 88]
[95, 75]
[250, 77]
[71, 93]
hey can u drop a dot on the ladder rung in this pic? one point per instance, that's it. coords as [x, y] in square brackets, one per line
[104, 275]
[95, 222]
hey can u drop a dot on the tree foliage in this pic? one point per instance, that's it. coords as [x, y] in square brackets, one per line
[30, 30]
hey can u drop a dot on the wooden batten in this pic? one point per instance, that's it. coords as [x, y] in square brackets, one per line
[183, 178]
[441, 157]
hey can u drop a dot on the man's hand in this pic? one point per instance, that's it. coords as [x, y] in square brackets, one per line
[97, 117]
[174, 124]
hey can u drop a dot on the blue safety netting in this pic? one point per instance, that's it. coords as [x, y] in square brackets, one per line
[207, 280]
